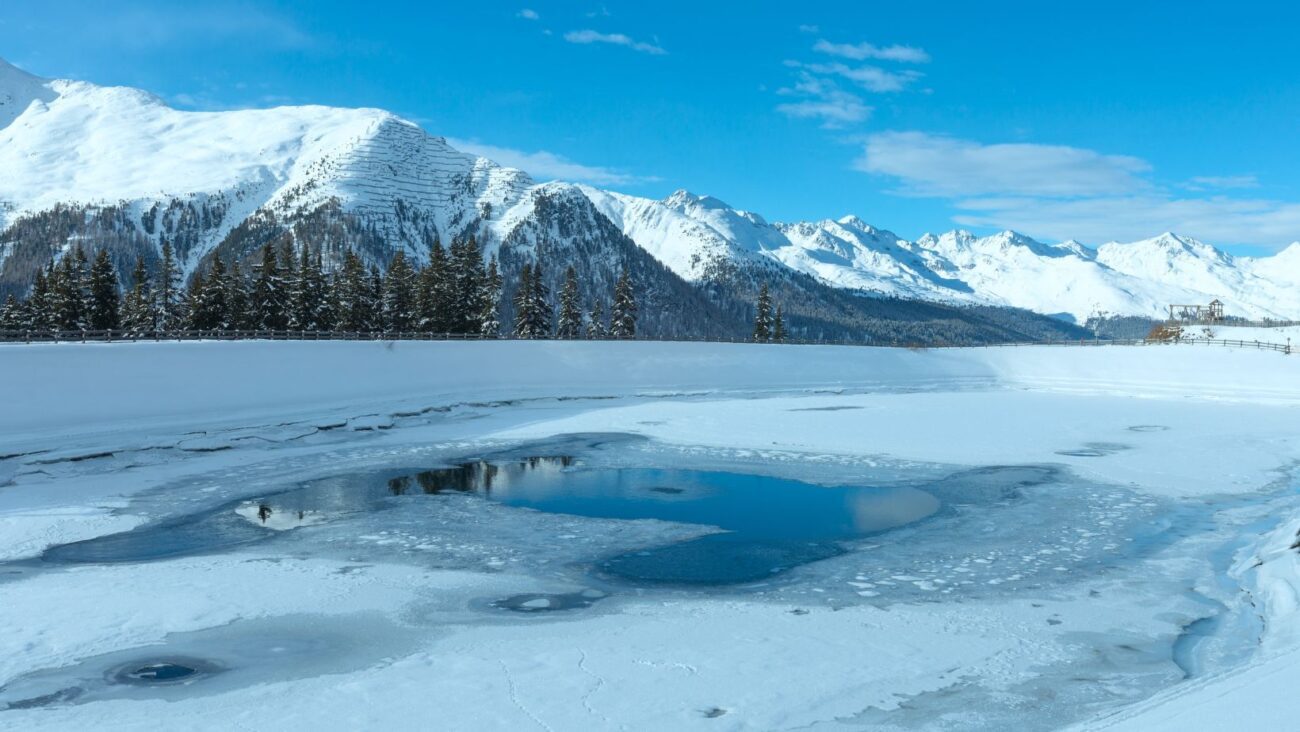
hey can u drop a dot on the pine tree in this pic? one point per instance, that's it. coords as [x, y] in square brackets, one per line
[763, 316]
[11, 314]
[318, 287]
[105, 301]
[466, 267]
[291, 276]
[489, 300]
[69, 293]
[137, 310]
[167, 292]
[352, 294]
[542, 314]
[81, 265]
[399, 296]
[40, 308]
[523, 303]
[570, 324]
[237, 299]
[194, 302]
[596, 321]
[623, 317]
[268, 301]
[374, 302]
[432, 299]
[210, 305]
[778, 326]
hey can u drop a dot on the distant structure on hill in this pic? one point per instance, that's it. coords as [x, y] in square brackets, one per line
[1212, 313]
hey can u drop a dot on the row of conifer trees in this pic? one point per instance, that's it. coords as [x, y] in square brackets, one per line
[288, 290]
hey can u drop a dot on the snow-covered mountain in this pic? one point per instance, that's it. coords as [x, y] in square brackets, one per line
[117, 168]
[694, 234]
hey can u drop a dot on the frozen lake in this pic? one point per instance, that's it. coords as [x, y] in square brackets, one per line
[949, 557]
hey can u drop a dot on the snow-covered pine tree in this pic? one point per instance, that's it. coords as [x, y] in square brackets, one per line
[236, 288]
[622, 322]
[66, 298]
[194, 302]
[523, 303]
[466, 266]
[351, 299]
[763, 316]
[40, 308]
[374, 303]
[11, 315]
[210, 308]
[81, 266]
[542, 314]
[570, 323]
[105, 302]
[167, 291]
[596, 321]
[300, 306]
[137, 308]
[399, 296]
[318, 285]
[489, 300]
[778, 326]
[268, 300]
[431, 299]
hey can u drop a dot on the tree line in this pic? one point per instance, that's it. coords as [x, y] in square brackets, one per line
[456, 292]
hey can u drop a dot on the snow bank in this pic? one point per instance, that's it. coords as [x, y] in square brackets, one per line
[60, 389]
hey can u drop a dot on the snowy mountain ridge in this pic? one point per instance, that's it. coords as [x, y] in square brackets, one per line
[88, 161]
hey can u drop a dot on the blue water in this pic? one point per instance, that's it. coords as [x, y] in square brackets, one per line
[768, 525]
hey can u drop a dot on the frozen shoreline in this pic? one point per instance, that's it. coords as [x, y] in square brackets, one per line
[792, 406]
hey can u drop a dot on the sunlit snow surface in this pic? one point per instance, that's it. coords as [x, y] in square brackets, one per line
[965, 558]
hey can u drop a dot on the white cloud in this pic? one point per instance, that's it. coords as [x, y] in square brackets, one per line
[809, 29]
[1258, 222]
[938, 165]
[1060, 192]
[863, 51]
[528, 14]
[617, 39]
[1221, 182]
[545, 165]
[871, 78]
[821, 99]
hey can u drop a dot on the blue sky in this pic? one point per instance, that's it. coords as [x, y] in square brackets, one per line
[1095, 121]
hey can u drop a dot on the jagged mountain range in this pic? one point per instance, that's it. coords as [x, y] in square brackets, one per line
[117, 168]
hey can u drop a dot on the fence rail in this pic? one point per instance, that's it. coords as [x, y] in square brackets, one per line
[112, 336]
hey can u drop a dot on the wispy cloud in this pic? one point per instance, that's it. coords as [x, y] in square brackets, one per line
[1259, 222]
[528, 14]
[1062, 192]
[617, 39]
[1221, 182]
[809, 29]
[545, 165]
[938, 165]
[864, 51]
[821, 99]
[171, 25]
[871, 78]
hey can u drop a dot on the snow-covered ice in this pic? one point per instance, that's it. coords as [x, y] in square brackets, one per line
[1110, 543]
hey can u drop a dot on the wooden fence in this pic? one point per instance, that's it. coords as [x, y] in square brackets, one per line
[118, 336]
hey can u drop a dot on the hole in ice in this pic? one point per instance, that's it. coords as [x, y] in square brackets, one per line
[1148, 428]
[539, 602]
[163, 671]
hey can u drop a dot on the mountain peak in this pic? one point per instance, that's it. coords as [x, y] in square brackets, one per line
[682, 197]
[18, 89]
